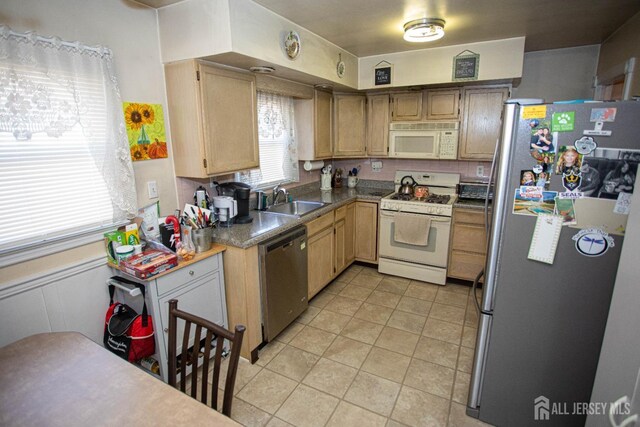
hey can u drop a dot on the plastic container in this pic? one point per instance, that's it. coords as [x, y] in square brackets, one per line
[123, 252]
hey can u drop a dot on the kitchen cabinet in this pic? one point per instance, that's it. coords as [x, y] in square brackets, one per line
[349, 125]
[214, 119]
[366, 226]
[313, 126]
[378, 125]
[481, 122]
[467, 253]
[443, 104]
[341, 237]
[350, 233]
[406, 106]
[320, 253]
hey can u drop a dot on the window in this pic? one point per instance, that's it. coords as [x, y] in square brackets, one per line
[65, 167]
[277, 144]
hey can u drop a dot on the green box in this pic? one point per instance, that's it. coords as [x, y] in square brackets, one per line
[112, 240]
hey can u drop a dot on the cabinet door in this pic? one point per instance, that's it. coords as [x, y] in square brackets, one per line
[340, 246]
[406, 106]
[350, 233]
[443, 104]
[230, 118]
[323, 102]
[350, 125]
[481, 122]
[320, 260]
[378, 125]
[366, 231]
[465, 265]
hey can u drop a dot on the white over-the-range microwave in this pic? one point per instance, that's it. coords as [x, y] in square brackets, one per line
[424, 140]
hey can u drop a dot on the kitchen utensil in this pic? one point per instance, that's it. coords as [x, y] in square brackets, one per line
[421, 191]
[325, 182]
[407, 188]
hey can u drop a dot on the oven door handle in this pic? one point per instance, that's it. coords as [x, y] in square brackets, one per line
[391, 214]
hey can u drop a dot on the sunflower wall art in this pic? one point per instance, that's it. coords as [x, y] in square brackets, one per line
[145, 130]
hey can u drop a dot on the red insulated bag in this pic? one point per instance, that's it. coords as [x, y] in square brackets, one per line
[126, 333]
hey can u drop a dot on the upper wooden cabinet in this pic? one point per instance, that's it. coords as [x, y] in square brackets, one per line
[313, 126]
[443, 104]
[406, 106]
[349, 125]
[214, 119]
[378, 125]
[481, 122]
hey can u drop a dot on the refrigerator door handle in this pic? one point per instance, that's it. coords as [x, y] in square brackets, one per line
[479, 360]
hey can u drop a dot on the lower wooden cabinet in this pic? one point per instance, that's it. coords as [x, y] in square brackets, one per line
[366, 225]
[320, 252]
[468, 244]
[350, 233]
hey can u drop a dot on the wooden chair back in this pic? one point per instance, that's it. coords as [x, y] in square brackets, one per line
[212, 331]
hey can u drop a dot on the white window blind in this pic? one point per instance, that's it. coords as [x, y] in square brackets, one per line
[65, 167]
[277, 144]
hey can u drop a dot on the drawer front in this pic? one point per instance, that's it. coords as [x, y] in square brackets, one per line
[470, 238]
[469, 216]
[187, 274]
[341, 213]
[319, 224]
[464, 265]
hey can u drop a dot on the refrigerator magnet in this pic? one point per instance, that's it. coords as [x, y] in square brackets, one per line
[543, 179]
[568, 160]
[593, 242]
[585, 145]
[544, 241]
[566, 209]
[528, 202]
[563, 122]
[541, 137]
[527, 178]
[603, 114]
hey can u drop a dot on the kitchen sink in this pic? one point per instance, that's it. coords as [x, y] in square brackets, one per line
[296, 208]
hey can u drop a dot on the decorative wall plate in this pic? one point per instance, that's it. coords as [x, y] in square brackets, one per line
[340, 69]
[292, 44]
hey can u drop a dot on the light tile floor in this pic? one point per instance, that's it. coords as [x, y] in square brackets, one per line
[371, 350]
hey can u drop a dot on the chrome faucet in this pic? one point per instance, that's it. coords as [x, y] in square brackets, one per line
[276, 192]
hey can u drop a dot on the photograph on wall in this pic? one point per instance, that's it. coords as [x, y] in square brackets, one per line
[145, 131]
[607, 172]
[526, 203]
[569, 161]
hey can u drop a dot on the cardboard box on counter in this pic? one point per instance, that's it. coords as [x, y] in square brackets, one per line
[149, 263]
[125, 235]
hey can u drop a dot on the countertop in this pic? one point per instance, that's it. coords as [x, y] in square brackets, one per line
[266, 225]
[470, 204]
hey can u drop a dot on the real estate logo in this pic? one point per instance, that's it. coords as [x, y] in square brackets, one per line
[541, 408]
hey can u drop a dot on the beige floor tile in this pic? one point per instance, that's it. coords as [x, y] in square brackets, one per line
[291, 331]
[452, 298]
[471, 318]
[385, 299]
[293, 363]
[308, 315]
[436, 351]
[465, 359]
[394, 423]
[407, 321]
[355, 268]
[458, 417]
[348, 415]
[246, 371]
[356, 292]
[307, 407]
[418, 409]
[386, 364]
[469, 337]
[414, 305]
[248, 415]
[322, 299]
[422, 290]
[348, 351]
[335, 287]
[346, 276]
[366, 281]
[362, 330]
[444, 331]
[331, 377]
[429, 377]
[448, 313]
[269, 351]
[313, 340]
[343, 305]
[267, 390]
[373, 393]
[330, 321]
[394, 285]
[458, 288]
[370, 271]
[373, 313]
[277, 422]
[461, 387]
[393, 339]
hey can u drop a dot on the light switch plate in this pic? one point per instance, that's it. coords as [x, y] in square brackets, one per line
[479, 170]
[152, 189]
[376, 166]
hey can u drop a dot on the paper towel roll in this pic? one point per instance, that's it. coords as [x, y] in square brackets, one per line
[313, 166]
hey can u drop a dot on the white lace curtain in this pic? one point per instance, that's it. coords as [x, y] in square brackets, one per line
[65, 166]
[278, 147]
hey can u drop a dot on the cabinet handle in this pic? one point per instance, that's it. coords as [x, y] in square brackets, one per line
[191, 272]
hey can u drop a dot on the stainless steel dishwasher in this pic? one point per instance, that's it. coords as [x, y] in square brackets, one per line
[283, 280]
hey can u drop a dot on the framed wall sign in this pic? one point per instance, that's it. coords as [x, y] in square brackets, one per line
[465, 66]
[382, 73]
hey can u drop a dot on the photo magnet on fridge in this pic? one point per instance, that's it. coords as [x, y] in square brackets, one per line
[607, 172]
[566, 209]
[543, 179]
[527, 203]
[585, 145]
[527, 178]
[568, 160]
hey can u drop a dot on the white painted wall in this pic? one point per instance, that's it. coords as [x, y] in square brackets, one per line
[558, 74]
[499, 59]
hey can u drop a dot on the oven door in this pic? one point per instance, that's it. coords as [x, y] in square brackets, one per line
[411, 144]
[435, 253]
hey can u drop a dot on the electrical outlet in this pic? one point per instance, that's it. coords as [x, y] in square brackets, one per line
[479, 170]
[376, 166]
[152, 189]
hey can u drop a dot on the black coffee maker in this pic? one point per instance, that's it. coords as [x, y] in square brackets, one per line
[240, 192]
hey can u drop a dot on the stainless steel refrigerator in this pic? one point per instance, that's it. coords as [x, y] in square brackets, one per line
[541, 325]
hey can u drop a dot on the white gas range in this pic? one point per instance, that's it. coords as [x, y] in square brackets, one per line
[422, 255]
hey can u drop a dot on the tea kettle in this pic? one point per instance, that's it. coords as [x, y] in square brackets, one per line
[407, 189]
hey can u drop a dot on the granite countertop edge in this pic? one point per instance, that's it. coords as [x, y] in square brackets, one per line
[241, 235]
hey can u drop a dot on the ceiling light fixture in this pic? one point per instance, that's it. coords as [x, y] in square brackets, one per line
[424, 30]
